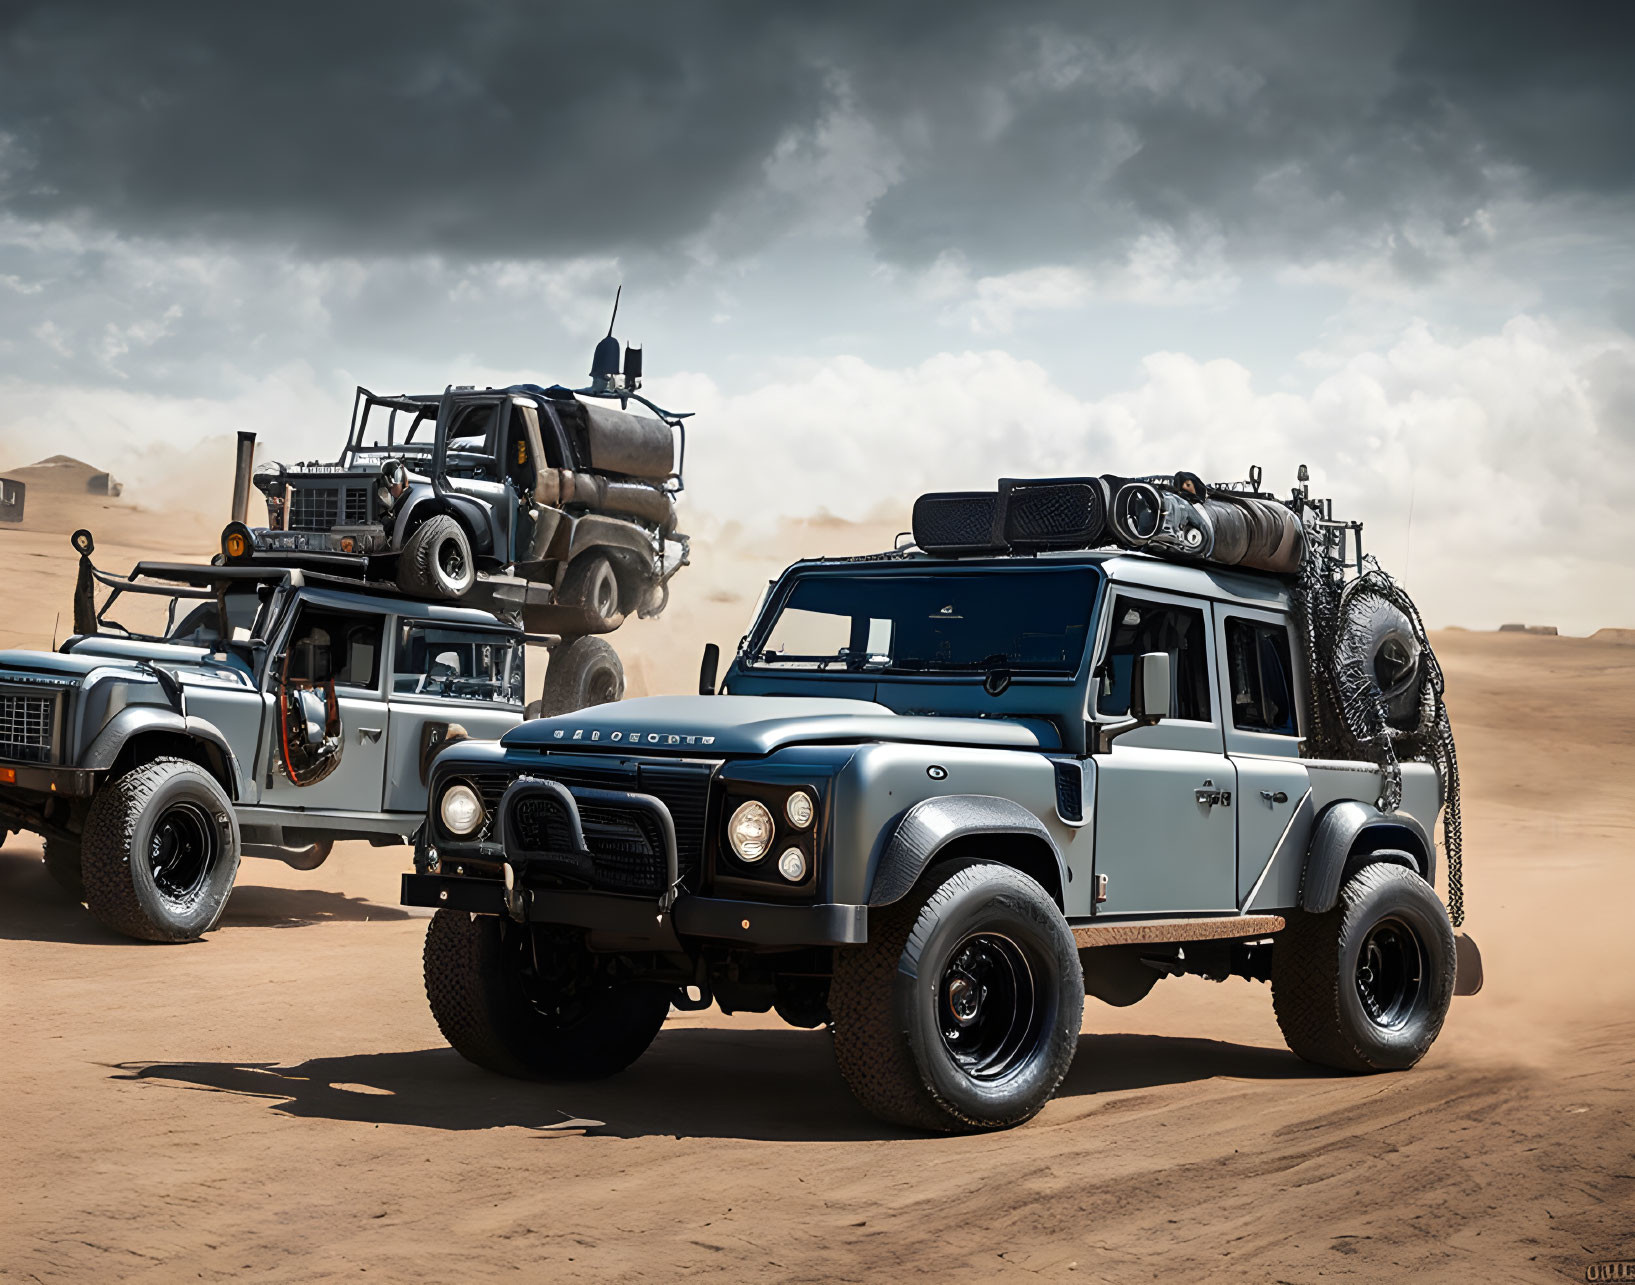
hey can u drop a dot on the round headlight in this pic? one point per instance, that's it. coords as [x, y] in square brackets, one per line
[461, 809]
[799, 809]
[750, 831]
[792, 865]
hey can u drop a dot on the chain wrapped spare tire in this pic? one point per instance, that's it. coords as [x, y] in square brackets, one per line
[1377, 688]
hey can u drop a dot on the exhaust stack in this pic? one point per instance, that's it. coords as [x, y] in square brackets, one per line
[242, 468]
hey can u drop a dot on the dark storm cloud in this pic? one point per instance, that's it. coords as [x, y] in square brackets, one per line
[1017, 133]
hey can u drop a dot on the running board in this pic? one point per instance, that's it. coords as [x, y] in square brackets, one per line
[1131, 932]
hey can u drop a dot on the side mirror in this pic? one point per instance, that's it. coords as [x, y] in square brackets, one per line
[707, 669]
[1149, 688]
[1149, 699]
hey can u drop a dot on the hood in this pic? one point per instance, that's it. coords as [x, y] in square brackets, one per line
[718, 725]
[57, 663]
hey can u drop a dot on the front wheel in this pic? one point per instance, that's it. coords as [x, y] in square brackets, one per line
[582, 672]
[1366, 986]
[436, 561]
[160, 851]
[962, 1012]
[530, 1002]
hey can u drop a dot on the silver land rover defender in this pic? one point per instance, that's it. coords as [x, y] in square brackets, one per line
[1079, 736]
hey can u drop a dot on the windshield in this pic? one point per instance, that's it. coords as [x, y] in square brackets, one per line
[384, 428]
[1029, 620]
[474, 664]
[201, 625]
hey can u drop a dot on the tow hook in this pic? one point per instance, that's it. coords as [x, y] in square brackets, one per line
[513, 894]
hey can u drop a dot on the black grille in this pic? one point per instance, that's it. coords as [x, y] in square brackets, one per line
[1069, 791]
[322, 508]
[684, 788]
[26, 725]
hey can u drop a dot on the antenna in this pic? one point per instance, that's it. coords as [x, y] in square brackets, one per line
[619, 291]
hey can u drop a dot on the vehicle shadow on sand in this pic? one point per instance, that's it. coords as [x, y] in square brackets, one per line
[753, 1084]
[33, 908]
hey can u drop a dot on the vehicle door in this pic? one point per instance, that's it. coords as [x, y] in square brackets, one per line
[445, 676]
[1165, 839]
[1262, 727]
[469, 445]
[347, 644]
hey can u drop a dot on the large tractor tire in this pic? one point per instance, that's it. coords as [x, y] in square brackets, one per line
[583, 672]
[1366, 986]
[528, 1002]
[962, 1012]
[436, 561]
[160, 852]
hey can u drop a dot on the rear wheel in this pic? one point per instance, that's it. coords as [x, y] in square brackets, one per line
[436, 561]
[1366, 986]
[583, 672]
[963, 1010]
[160, 852]
[592, 586]
[62, 863]
[530, 1002]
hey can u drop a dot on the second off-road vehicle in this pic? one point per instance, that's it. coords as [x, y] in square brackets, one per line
[551, 504]
[272, 713]
[1080, 736]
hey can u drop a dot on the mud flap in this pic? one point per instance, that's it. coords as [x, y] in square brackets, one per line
[1467, 967]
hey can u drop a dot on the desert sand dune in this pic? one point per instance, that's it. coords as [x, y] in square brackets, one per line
[275, 1101]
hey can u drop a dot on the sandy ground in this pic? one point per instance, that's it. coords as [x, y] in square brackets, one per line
[276, 1102]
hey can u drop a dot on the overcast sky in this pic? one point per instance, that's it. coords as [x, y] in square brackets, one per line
[879, 248]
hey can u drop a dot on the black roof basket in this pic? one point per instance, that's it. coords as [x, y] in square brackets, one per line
[1024, 515]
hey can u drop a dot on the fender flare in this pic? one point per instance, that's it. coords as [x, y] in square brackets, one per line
[137, 720]
[1336, 834]
[931, 825]
[468, 512]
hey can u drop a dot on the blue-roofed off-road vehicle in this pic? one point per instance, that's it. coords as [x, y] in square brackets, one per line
[273, 713]
[944, 793]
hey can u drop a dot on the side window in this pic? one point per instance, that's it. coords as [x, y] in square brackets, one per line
[336, 644]
[468, 664]
[1140, 627]
[1262, 679]
[472, 446]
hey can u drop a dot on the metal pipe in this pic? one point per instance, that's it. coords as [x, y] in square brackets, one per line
[243, 465]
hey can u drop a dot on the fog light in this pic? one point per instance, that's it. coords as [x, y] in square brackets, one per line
[461, 809]
[750, 831]
[792, 865]
[799, 809]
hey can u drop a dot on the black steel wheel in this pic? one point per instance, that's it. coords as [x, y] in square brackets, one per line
[1366, 986]
[582, 672]
[962, 1012]
[989, 1014]
[160, 852]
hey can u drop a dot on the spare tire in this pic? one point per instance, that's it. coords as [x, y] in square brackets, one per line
[1381, 641]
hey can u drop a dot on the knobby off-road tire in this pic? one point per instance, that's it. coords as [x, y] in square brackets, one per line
[592, 586]
[436, 561]
[561, 1024]
[583, 672]
[1366, 986]
[962, 1012]
[62, 863]
[160, 851]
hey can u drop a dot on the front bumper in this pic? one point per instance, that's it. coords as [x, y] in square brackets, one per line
[751, 923]
[69, 782]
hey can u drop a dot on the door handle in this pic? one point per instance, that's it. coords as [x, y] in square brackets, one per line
[371, 734]
[1208, 796]
[1274, 798]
